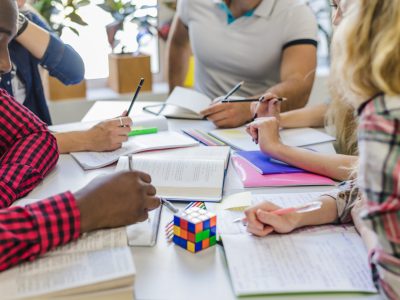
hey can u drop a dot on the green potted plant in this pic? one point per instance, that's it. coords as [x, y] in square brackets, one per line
[61, 15]
[125, 66]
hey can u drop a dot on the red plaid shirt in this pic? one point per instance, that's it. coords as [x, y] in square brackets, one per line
[27, 153]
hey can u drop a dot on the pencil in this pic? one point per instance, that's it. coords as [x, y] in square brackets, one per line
[233, 90]
[135, 95]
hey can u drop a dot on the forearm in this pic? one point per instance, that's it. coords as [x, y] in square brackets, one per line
[295, 90]
[27, 232]
[325, 215]
[73, 141]
[178, 65]
[336, 166]
[35, 39]
[309, 116]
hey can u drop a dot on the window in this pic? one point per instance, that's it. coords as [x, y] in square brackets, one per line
[92, 42]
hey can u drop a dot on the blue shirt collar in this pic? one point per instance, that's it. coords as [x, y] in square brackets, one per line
[229, 16]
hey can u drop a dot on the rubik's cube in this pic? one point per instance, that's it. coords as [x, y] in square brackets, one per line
[195, 229]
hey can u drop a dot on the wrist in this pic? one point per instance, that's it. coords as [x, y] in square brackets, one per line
[297, 220]
[23, 23]
[274, 148]
[87, 212]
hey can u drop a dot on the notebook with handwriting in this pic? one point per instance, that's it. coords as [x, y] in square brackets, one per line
[162, 140]
[320, 259]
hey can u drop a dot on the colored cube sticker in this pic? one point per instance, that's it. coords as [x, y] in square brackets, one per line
[195, 229]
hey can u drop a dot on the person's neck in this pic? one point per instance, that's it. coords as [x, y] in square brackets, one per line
[240, 7]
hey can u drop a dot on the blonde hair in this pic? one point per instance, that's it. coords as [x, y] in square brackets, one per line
[341, 121]
[366, 51]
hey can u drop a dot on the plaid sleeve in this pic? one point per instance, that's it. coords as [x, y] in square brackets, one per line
[379, 181]
[27, 232]
[346, 196]
[28, 151]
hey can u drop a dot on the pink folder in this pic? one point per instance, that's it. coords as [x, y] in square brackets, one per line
[251, 178]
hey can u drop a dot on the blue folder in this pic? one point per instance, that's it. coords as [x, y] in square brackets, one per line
[266, 164]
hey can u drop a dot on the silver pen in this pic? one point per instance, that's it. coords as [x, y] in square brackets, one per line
[169, 205]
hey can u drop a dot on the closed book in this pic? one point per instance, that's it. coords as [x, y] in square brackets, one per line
[251, 178]
[265, 164]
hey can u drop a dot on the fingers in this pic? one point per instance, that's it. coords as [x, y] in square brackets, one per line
[143, 176]
[268, 218]
[124, 114]
[153, 203]
[261, 233]
[119, 122]
[150, 190]
[253, 132]
[213, 109]
[142, 217]
[268, 106]
[252, 220]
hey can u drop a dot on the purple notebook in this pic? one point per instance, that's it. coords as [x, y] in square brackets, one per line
[264, 164]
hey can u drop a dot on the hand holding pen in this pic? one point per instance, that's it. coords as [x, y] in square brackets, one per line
[266, 217]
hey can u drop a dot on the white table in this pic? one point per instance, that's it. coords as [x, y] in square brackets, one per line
[166, 271]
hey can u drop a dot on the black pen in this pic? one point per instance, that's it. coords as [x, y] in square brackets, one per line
[251, 100]
[135, 96]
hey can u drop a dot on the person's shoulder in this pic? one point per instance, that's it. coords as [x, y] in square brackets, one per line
[293, 7]
[35, 18]
[195, 4]
[385, 105]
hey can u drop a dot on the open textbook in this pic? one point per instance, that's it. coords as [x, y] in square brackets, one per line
[239, 139]
[325, 259]
[97, 265]
[138, 121]
[161, 140]
[195, 173]
[183, 103]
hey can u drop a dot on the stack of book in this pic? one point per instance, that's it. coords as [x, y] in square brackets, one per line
[257, 169]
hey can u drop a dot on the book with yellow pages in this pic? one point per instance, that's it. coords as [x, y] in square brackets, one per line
[98, 264]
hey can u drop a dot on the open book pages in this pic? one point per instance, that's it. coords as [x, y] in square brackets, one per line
[135, 144]
[88, 265]
[228, 213]
[310, 260]
[194, 174]
[182, 103]
[298, 137]
[138, 121]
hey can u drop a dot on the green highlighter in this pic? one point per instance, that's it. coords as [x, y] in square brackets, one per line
[140, 131]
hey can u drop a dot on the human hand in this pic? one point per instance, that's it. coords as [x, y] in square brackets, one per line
[265, 132]
[268, 106]
[116, 200]
[261, 222]
[108, 135]
[228, 115]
